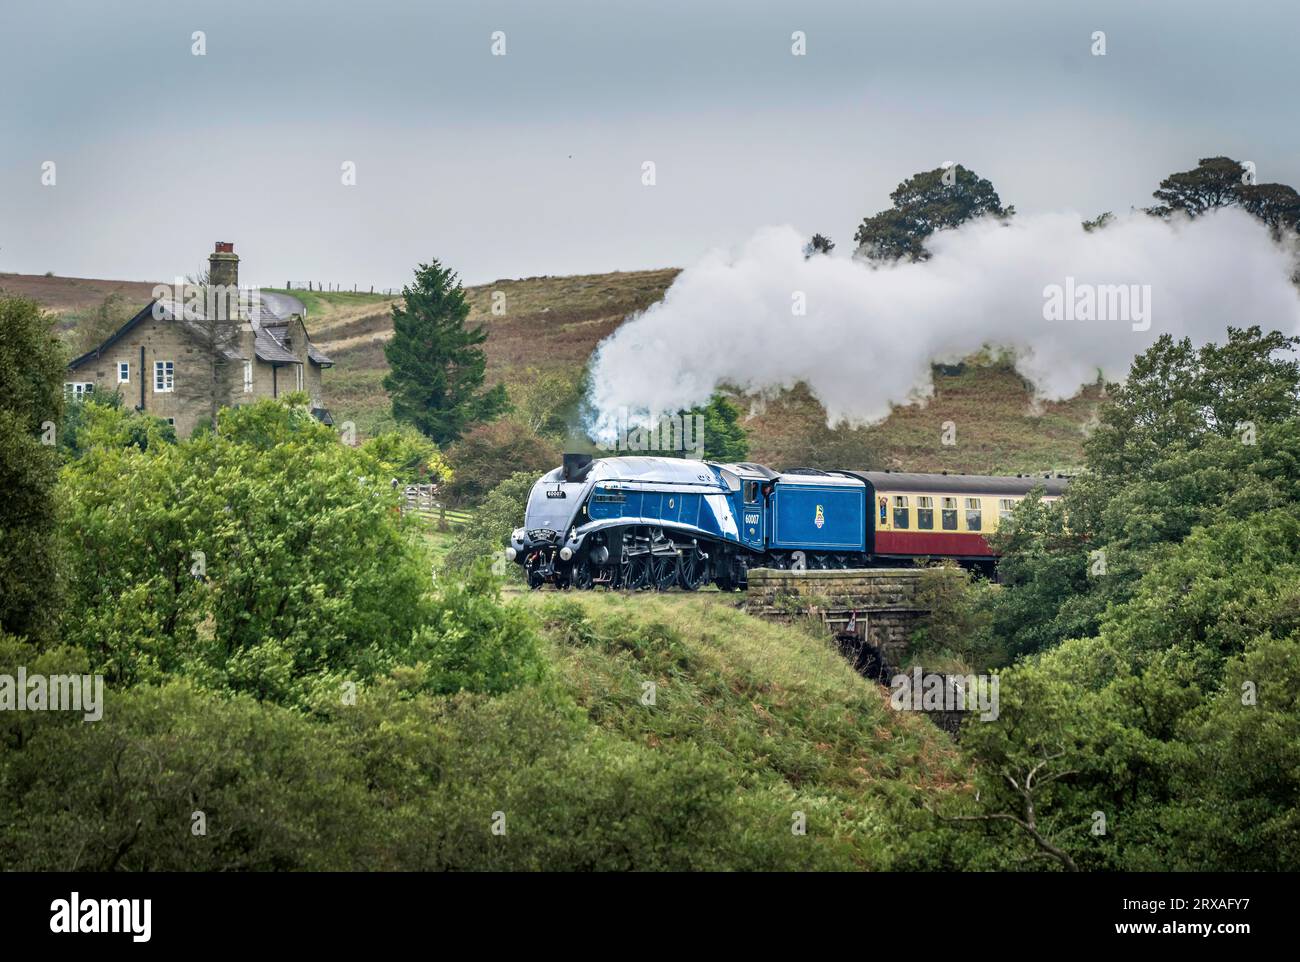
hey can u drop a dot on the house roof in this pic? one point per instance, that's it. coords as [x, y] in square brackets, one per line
[229, 345]
[268, 325]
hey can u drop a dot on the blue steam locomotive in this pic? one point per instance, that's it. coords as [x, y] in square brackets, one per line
[649, 522]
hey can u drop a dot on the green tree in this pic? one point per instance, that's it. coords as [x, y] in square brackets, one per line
[819, 244]
[490, 453]
[264, 558]
[408, 456]
[1213, 182]
[932, 200]
[725, 439]
[475, 643]
[1223, 182]
[1177, 395]
[31, 405]
[488, 531]
[437, 364]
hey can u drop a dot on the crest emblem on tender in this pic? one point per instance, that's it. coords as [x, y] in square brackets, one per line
[821, 517]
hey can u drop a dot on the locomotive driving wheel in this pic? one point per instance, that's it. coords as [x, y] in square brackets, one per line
[663, 571]
[583, 578]
[692, 571]
[636, 573]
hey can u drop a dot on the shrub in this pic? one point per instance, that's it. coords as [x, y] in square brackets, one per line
[490, 453]
[475, 643]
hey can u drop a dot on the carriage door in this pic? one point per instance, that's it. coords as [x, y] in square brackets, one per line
[751, 528]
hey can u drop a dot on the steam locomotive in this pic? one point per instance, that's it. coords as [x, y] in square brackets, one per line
[655, 523]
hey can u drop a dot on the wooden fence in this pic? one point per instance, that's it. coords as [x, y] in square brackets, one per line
[325, 287]
[422, 500]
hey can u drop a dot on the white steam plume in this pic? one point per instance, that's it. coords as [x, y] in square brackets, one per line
[870, 333]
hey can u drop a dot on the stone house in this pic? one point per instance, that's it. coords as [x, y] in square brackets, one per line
[193, 350]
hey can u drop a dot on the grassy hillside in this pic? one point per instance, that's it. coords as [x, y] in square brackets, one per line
[554, 323]
[777, 707]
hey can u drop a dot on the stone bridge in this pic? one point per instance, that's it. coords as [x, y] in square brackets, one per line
[870, 611]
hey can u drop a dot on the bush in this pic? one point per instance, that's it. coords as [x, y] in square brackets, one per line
[490, 453]
[475, 643]
[408, 456]
[488, 531]
[263, 558]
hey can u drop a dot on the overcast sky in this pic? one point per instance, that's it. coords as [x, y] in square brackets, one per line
[531, 163]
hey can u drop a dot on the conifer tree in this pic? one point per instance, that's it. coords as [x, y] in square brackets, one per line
[437, 364]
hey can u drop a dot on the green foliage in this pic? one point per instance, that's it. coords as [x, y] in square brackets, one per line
[475, 643]
[923, 204]
[31, 404]
[121, 794]
[436, 363]
[263, 558]
[1043, 571]
[101, 419]
[490, 453]
[955, 633]
[546, 402]
[408, 456]
[724, 437]
[488, 531]
[818, 244]
[1178, 396]
[1223, 182]
[1163, 694]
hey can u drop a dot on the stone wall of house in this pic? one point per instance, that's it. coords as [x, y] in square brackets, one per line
[188, 402]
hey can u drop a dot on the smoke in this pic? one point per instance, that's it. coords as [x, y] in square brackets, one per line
[869, 333]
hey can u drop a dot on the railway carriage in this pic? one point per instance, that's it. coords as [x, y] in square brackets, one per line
[648, 522]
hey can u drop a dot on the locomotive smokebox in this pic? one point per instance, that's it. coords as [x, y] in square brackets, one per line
[576, 466]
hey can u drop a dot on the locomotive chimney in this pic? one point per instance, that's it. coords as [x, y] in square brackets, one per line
[576, 466]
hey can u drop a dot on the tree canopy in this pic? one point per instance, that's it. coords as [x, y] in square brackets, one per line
[926, 202]
[437, 366]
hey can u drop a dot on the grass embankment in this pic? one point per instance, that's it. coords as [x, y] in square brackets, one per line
[776, 706]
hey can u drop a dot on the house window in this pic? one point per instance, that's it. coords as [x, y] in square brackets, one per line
[76, 390]
[949, 514]
[974, 514]
[172, 422]
[900, 511]
[164, 376]
[925, 513]
[1005, 507]
[123, 373]
[248, 377]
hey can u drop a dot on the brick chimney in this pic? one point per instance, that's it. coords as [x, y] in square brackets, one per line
[223, 265]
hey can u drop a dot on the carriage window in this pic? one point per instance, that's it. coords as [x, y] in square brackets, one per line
[751, 492]
[974, 514]
[924, 513]
[949, 514]
[1005, 507]
[900, 511]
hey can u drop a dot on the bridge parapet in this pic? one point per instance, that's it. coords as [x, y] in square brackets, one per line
[869, 610]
